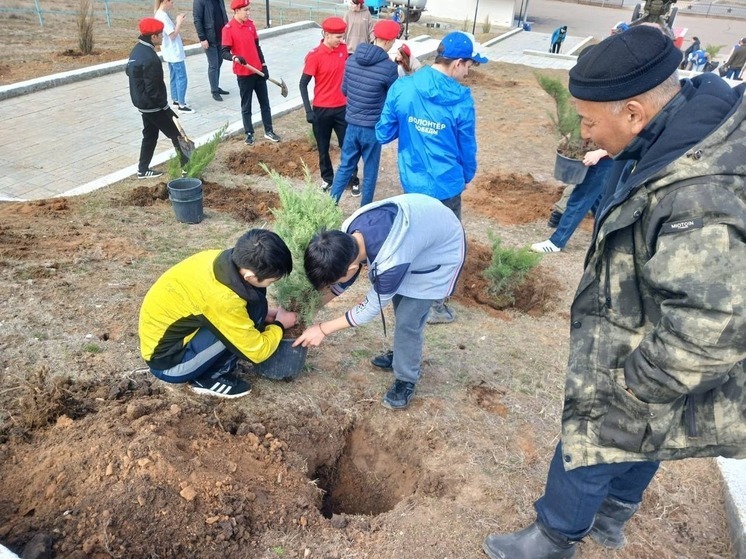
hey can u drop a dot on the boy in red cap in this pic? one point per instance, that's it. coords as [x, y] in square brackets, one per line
[325, 64]
[148, 94]
[241, 45]
[368, 75]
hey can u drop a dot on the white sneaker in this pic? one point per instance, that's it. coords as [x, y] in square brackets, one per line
[545, 247]
[325, 186]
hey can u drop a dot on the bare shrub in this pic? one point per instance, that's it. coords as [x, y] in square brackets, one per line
[85, 26]
[486, 24]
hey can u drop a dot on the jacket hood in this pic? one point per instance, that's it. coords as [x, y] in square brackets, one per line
[704, 115]
[367, 54]
[439, 88]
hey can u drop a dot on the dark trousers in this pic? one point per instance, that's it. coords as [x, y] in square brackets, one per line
[572, 498]
[247, 86]
[204, 355]
[214, 61]
[324, 122]
[152, 123]
[555, 48]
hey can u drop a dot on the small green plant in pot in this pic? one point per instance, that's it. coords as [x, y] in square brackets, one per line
[302, 213]
[571, 146]
[200, 158]
[185, 186]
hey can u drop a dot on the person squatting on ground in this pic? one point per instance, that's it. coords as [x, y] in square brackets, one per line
[209, 19]
[658, 324]
[368, 76]
[241, 45]
[172, 49]
[584, 197]
[325, 64]
[697, 60]
[433, 117]
[359, 29]
[558, 37]
[406, 63]
[148, 94]
[410, 264]
[209, 310]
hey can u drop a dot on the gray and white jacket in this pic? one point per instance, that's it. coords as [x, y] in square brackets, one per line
[421, 257]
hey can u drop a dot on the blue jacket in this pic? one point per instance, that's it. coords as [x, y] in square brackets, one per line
[433, 117]
[559, 35]
[369, 74]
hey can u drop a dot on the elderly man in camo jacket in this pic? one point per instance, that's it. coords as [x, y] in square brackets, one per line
[658, 325]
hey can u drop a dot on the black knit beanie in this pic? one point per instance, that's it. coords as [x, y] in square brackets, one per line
[624, 65]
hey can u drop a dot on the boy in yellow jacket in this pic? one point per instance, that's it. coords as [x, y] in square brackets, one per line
[205, 312]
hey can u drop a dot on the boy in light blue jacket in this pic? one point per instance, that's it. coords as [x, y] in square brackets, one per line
[410, 263]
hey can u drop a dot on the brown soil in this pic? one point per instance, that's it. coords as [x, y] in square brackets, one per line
[110, 462]
[275, 156]
[244, 204]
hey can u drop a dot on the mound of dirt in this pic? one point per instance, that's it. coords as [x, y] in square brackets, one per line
[243, 203]
[535, 296]
[510, 198]
[275, 156]
[131, 470]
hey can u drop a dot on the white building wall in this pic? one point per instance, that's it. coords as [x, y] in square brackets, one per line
[501, 12]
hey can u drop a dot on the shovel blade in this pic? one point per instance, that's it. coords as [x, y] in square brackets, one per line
[187, 146]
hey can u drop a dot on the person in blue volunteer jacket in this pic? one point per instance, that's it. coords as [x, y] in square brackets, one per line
[433, 117]
[369, 74]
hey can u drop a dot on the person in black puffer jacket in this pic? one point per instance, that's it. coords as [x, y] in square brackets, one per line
[369, 74]
[148, 94]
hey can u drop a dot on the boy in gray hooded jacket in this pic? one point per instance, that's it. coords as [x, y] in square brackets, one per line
[410, 264]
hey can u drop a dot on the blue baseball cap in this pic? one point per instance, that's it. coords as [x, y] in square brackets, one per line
[458, 44]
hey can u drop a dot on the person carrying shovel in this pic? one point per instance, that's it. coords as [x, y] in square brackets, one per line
[241, 45]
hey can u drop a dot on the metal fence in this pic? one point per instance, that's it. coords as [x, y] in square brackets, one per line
[281, 11]
[706, 9]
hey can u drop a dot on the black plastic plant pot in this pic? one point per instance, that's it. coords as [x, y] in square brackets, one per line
[286, 363]
[569, 171]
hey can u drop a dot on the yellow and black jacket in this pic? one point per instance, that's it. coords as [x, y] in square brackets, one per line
[205, 291]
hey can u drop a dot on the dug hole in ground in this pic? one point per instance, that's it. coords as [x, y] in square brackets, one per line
[112, 463]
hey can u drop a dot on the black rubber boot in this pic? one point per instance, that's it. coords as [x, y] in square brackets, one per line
[554, 219]
[608, 526]
[533, 542]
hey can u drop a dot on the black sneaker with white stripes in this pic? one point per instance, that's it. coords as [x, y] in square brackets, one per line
[149, 174]
[222, 386]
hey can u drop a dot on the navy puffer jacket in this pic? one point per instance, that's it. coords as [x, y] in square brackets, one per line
[369, 74]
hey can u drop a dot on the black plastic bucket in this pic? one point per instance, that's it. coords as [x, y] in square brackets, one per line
[569, 171]
[285, 363]
[186, 199]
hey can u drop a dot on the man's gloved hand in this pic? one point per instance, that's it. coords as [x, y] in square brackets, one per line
[310, 117]
[240, 59]
[265, 71]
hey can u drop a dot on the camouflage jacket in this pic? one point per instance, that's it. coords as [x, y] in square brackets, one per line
[658, 325]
